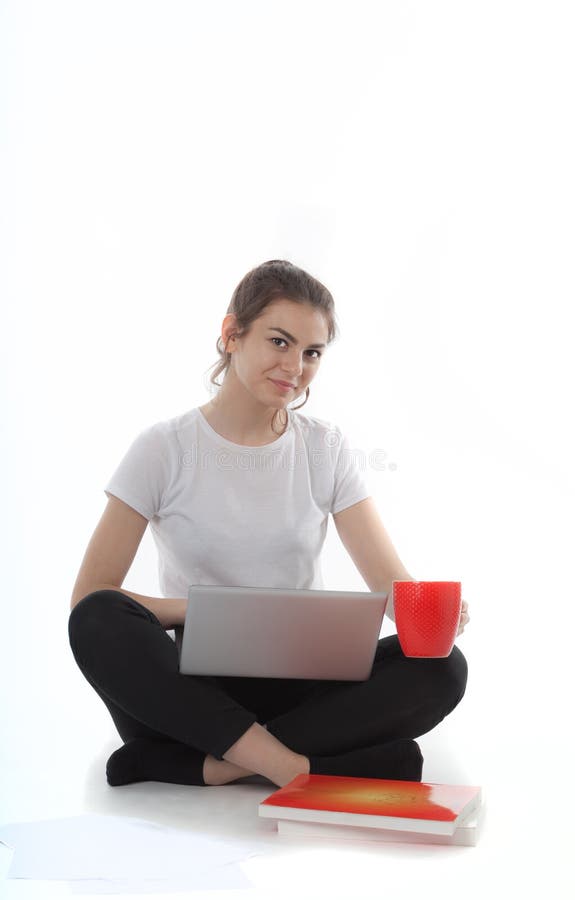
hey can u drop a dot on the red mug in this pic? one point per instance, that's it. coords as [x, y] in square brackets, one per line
[427, 616]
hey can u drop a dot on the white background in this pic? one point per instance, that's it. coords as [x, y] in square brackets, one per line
[415, 157]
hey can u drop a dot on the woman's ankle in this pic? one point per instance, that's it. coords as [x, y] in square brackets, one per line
[300, 767]
[218, 771]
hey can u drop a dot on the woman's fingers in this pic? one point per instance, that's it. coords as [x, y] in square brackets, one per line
[464, 617]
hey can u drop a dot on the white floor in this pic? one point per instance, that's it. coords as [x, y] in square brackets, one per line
[58, 735]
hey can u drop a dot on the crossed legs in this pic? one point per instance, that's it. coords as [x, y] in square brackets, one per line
[215, 730]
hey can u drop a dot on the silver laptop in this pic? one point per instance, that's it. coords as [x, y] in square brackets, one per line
[260, 632]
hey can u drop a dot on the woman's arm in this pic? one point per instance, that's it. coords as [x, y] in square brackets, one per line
[170, 611]
[367, 542]
[108, 558]
[363, 535]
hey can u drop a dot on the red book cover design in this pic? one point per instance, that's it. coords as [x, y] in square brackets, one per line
[375, 797]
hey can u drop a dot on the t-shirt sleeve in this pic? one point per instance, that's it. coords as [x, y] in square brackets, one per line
[141, 477]
[349, 483]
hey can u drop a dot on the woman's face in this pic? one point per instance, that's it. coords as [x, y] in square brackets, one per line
[265, 354]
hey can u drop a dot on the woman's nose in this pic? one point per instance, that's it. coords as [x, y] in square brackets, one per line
[294, 364]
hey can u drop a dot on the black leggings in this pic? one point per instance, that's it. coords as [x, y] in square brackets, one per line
[132, 663]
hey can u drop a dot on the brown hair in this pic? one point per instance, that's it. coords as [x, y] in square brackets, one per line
[272, 280]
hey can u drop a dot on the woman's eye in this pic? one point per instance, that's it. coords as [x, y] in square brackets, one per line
[284, 342]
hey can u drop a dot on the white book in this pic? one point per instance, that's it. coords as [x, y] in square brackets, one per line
[465, 835]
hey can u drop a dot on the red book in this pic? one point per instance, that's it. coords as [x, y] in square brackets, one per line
[409, 806]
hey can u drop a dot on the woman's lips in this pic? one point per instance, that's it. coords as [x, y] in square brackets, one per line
[282, 385]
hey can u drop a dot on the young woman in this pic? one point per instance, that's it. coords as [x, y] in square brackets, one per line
[238, 492]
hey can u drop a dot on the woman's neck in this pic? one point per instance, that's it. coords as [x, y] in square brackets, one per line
[235, 427]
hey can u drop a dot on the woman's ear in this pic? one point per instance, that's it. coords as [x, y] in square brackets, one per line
[229, 327]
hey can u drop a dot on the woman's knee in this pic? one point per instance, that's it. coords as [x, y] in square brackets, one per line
[90, 612]
[454, 672]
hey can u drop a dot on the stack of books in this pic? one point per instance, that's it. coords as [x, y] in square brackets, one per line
[377, 809]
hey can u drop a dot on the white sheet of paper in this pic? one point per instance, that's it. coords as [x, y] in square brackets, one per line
[220, 878]
[111, 847]
[6, 855]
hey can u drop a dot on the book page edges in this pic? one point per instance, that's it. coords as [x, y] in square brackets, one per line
[358, 820]
[465, 835]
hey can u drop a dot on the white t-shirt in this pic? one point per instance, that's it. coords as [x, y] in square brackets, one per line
[223, 513]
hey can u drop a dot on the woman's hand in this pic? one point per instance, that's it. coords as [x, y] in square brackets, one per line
[464, 617]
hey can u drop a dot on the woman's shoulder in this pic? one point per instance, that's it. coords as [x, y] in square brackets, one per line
[165, 433]
[174, 424]
[314, 429]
